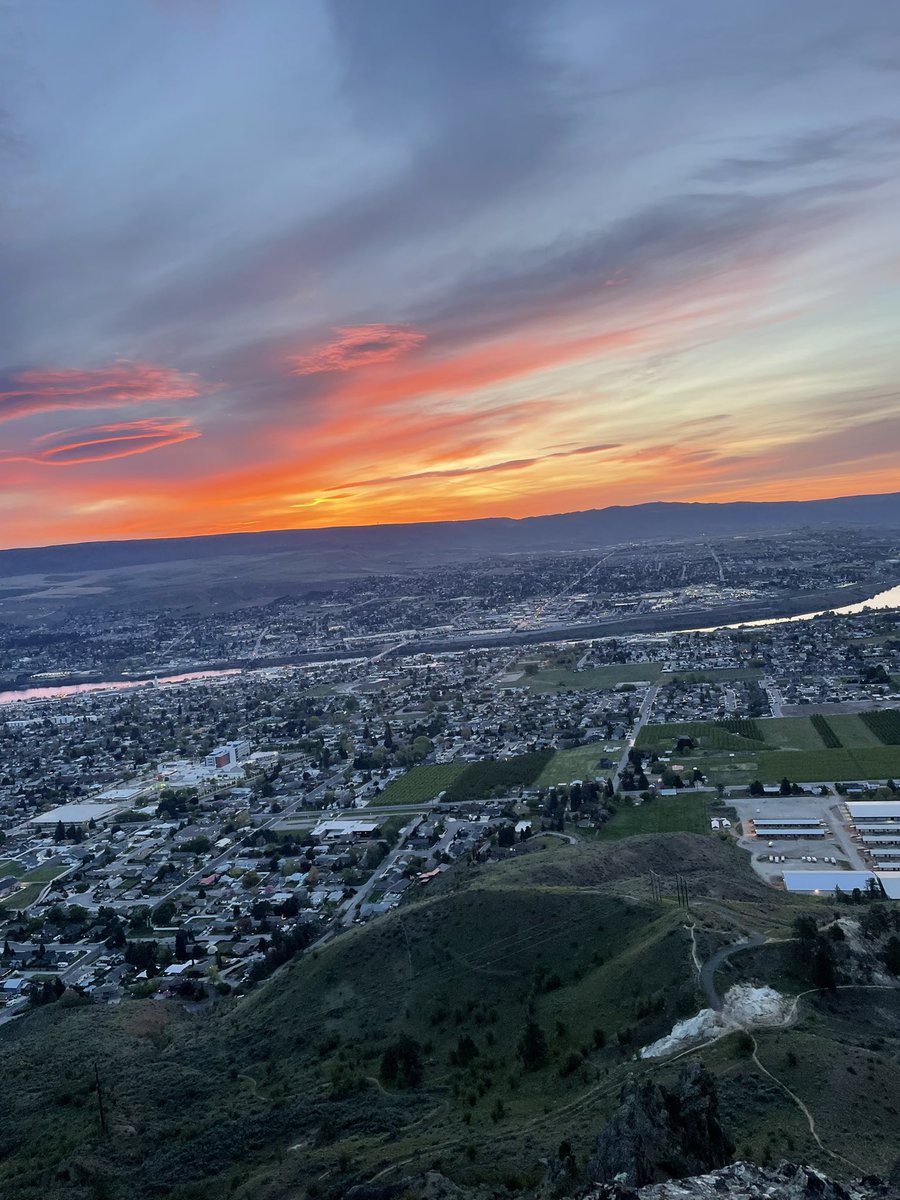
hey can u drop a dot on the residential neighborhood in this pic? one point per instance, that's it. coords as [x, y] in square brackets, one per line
[184, 836]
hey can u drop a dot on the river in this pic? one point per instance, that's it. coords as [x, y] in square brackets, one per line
[888, 599]
[122, 685]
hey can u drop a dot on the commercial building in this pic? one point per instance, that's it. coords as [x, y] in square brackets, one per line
[77, 814]
[228, 755]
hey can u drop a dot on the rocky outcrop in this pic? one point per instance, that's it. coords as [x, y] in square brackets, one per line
[658, 1134]
[745, 1181]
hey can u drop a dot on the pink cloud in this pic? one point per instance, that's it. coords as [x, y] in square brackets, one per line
[358, 346]
[122, 383]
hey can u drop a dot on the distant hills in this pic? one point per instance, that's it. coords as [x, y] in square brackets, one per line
[469, 539]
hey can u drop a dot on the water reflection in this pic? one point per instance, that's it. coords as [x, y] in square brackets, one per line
[122, 685]
[888, 599]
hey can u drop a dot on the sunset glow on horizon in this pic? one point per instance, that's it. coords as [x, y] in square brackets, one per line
[284, 266]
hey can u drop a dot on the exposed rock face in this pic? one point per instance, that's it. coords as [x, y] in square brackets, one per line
[658, 1134]
[744, 1181]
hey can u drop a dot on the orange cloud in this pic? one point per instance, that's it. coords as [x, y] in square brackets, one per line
[122, 383]
[510, 464]
[358, 346]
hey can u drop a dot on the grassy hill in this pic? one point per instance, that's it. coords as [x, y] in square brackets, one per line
[289, 1091]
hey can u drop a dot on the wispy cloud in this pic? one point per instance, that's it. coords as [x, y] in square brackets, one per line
[100, 443]
[428, 247]
[115, 386]
[357, 346]
[512, 464]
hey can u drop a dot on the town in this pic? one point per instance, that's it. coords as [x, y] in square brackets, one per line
[183, 839]
[52, 631]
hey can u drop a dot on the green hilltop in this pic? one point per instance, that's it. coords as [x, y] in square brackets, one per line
[491, 1018]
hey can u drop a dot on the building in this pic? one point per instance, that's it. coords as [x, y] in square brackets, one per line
[224, 757]
[79, 815]
[823, 883]
[348, 828]
[786, 827]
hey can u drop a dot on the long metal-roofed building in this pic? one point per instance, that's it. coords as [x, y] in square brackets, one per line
[80, 814]
[786, 827]
[873, 810]
[824, 882]
[782, 822]
[890, 881]
[803, 831]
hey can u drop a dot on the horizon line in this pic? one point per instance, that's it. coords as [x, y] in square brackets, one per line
[323, 529]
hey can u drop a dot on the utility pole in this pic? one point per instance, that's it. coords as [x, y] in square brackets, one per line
[103, 1128]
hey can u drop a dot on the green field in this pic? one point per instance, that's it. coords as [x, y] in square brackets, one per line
[790, 733]
[687, 812]
[852, 731]
[777, 733]
[581, 762]
[863, 762]
[721, 675]
[791, 747]
[44, 874]
[11, 867]
[711, 735]
[22, 898]
[591, 679]
[418, 786]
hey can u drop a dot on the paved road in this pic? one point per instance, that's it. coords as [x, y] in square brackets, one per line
[833, 819]
[387, 864]
[252, 830]
[776, 700]
[72, 974]
[643, 715]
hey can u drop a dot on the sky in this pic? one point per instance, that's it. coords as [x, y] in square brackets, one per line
[268, 264]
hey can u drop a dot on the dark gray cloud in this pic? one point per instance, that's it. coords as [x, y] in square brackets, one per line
[468, 90]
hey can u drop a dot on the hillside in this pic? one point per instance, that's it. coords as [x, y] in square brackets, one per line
[471, 1031]
[391, 545]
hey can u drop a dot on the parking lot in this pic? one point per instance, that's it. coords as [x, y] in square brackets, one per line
[798, 853]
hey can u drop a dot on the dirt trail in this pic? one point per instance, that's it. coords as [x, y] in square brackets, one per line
[706, 974]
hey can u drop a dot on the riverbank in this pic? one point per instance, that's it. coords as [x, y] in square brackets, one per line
[799, 606]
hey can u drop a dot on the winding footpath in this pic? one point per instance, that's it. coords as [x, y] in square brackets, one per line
[706, 975]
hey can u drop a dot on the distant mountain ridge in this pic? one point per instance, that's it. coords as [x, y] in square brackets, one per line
[560, 531]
